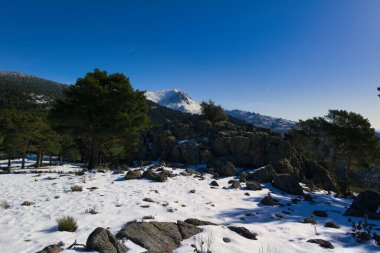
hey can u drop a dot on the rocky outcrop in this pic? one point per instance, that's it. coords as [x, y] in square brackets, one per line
[103, 241]
[263, 175]
[223, 168]
[156, 236]
[366, 203]
[197, 222]
[320, 176]
[288, 183]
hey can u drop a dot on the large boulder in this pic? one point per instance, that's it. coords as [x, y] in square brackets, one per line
[263, 175]
[197, 222]
[189, 151]
[284, 167]
[320, 176]
[366, 203]
[156, 236]
[288, 183]
[239, 145]
[133, 174]
[223, 168]
[103, 241]
[253, 186]
[243, 232]
[323, 243]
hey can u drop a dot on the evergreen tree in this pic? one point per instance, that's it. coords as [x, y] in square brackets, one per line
[213, 112]
[102, 109]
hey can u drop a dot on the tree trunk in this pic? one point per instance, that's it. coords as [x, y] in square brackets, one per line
[94, 153]
[60, 158]
[38, 159]
[42, 160]
[348, 174]
[334, 160]
[23, 161]
[50, 160]
[9, 169]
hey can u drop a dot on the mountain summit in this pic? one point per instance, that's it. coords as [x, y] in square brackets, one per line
[181, 101]
[174, 99]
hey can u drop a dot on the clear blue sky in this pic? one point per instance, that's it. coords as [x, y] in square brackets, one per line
[290, 59]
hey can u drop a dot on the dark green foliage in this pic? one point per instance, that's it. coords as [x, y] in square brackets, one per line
[340, 136]
[361, 231]
[213, 112]
[26, 92]
[104, 111]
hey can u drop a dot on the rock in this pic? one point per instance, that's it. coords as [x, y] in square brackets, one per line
[235, 184]
[226, 240]
[156, 236]
[243, 232]
[243, 177]
[214, 183]
[54, 248]
[279, 216]
[263, 175]
[223, 167]
[158, 177]
[322, 243]
[239, 145]
[332, 224]
[189, 151]
[197, 222]
[284, 167]
[253, 186]
[319, 176]
[193, 172]
[148, 200]
[133, 174]
[320, 213]
[366, 203]
[269, 201]
[103, 241]
[288, 183]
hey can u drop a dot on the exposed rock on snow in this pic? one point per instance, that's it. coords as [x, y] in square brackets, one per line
[288, 183]
[263, 175]
[133, 174]
[253, 186]
[366, 203]
[197, 222]
[103, 241]
[322, 243]
[243, 232]
[54, 248]
[158, 236]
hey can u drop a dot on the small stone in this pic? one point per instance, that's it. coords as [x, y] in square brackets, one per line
[226, 240]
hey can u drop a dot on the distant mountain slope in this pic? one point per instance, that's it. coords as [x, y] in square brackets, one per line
[178, 100]
[24, 91]
[174, 99]
[275, 124]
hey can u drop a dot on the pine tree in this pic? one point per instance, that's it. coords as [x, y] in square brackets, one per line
[213, 112]
[102, 109]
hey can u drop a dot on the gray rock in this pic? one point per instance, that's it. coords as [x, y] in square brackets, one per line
[269, 201]
[284, 167]
[243, 232]
[320, 213]
[103, 241]
[155, 236]
[54, 248]
[288, 183]
[235, 184]
[332, 224]
[253, 186]
[223, 168]
[322, 243]
[133, 174]
[197, 222]
[319, 176]
[366, 203]
[263, 175]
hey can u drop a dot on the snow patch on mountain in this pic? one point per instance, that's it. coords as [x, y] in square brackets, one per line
[174, 99]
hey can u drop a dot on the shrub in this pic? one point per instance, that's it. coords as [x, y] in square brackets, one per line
[27, 203]
[361, 231]
[76, 188]
[67, 223]
[203, 245]
[4, 204]
[213, 112]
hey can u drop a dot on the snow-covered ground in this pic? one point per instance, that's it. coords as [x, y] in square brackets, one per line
[31, 228]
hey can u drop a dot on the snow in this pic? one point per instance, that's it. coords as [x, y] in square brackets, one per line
[174, 99]
[31, 228]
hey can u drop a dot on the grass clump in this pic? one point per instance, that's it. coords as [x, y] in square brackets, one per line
[76, 188]
[67, 223]
[4, 204]
[27, 203]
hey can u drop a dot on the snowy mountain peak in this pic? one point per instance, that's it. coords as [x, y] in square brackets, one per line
[174, 99]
